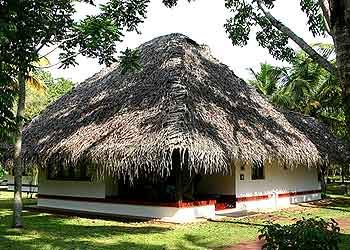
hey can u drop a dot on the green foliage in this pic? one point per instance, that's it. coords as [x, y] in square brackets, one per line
[8, 91]
[37, 102]
[28, 26]
[305, 87]
[172, 3]
[267, 80]
[314, 13]
[249, 15]
[2, 171]
[305, 234]
[130, 61]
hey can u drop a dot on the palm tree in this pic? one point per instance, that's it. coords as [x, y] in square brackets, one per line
[304, 87]
[307, 88]
[266, 81]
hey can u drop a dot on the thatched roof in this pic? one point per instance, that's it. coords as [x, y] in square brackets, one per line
[182, 99]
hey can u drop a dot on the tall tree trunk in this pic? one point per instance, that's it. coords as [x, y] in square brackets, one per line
[340, 27]
[18, 166]
[342, 46]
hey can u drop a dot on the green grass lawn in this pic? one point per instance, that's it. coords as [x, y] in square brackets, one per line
[51, 232]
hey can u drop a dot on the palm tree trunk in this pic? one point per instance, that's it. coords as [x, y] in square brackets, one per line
[18, 166]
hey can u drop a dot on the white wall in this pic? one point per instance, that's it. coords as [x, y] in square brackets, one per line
[277, 180]
[29, 183]
[218, 184]
[172, 214]
[70, 188]
[285, 202]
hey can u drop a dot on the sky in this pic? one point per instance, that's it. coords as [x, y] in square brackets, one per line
[202, 21]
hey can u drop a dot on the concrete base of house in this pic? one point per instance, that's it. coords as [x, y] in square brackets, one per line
[171, 213]
[246, 206]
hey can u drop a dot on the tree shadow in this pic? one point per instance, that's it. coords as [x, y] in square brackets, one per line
[244, 223]
[9, 241]
[340, 204]
[48, 223]
[52, 232]
[345, 241]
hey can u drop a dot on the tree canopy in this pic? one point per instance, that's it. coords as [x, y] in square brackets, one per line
[27, 26]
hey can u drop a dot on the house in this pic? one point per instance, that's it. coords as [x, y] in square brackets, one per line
[181, 138]
[29, 176]
[29, 183]
[3, 185]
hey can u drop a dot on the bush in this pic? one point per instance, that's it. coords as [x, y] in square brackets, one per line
[2, 171]
[305, 234]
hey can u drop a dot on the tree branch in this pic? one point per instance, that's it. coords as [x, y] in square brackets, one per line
[59, 62]
[47, 38]
[327, 15]
[57, 46]
[298, 40]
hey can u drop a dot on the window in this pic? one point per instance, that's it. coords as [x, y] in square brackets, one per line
[258, 171]
[60, 172]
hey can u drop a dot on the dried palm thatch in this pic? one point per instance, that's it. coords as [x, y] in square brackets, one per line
[183, 99]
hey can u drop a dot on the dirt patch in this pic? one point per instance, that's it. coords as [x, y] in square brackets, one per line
[251, 245]
[334, 202]
[273, 218]
[344, 223]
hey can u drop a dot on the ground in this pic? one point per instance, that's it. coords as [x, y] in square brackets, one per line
[51, 232]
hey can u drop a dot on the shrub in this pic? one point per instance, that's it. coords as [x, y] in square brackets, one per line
[305, 234]
[2, 171]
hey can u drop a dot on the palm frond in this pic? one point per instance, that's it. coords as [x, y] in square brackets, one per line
[36, 83]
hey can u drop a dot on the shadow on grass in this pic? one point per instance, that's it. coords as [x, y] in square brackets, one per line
[45, 231]
[242, 223]
[345, 241]
[339, 204]
[58, 232]
[337, 189]
[52, 224]
[196, 241]
[63, 244]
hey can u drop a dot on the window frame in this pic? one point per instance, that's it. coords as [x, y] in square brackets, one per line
[61, 173]
[257, 171]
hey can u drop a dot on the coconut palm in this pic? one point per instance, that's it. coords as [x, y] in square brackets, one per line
[304, 87]
[33, 80]
[267, 79]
